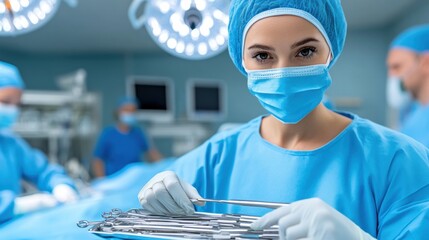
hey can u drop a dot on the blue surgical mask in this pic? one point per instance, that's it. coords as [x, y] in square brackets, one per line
[128, 119]
[8, 116]
[290, 93]
[397, 96]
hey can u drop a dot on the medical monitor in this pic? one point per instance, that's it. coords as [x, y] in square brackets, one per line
[206, 100]
[155, 96]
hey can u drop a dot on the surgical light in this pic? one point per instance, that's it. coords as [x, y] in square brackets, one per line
[22, 16]
[189, 29]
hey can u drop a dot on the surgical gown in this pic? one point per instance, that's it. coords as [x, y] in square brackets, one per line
[19, 161]
[376, 177]
[117, 149]
[416, 124]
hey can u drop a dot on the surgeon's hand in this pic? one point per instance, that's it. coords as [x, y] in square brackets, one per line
[166, 194]
[33, 203]
[65, 194]
[311, 219]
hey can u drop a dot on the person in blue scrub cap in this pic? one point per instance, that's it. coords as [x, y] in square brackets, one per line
[123, 143]
[343, 176]
[409, 60]
[19, 161]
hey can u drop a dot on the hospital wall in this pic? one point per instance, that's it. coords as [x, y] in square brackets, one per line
[419, 14]
[360, 74]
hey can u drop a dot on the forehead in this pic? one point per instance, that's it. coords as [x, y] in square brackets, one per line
[400, 55]
[10, 92]
[283, 28]
[128, 107]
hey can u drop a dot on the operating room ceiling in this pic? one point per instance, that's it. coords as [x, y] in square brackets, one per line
[97, 26]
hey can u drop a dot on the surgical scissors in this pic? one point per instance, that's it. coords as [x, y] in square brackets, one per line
[272, 205]
[138, 223]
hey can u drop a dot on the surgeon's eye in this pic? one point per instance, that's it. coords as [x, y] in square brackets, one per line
[307, 52]
[262, 56]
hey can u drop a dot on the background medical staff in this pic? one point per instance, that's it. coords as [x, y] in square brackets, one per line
[123, 143]
[18, 161]
[409, 60]
[344, 176]
[399, 100]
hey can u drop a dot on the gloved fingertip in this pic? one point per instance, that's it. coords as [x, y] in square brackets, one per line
[257, 225]
[140, 195]
[271, 218]
[190, 191]
[141, 199]
[199, 203]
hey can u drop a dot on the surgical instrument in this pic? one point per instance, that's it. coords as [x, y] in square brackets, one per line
[140, 224]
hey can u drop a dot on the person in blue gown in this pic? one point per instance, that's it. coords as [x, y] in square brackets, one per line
[343, 176]
[409, 59]
[19, 161]
[123, 143]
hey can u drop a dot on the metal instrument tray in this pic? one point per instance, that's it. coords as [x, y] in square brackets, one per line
[140, 224]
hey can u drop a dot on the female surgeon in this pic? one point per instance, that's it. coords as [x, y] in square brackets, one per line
[344, 176]
[19, 161]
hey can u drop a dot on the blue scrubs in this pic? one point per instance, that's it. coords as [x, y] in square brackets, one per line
[117, 149]
[20, 161]
[376, 177]
[417, 124]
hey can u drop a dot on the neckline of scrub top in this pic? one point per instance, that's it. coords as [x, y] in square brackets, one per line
[124, 133]
[422, 106]
[351, 116]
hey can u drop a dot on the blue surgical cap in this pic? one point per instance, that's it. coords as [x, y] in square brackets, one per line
[415, 39]
[326, 15]
[127, 101]
[10, 77]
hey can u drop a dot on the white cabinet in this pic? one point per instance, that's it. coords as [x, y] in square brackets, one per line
[185, 136]
[60, 123]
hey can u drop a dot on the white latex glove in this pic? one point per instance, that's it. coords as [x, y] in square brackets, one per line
[33, 203]
[64, 193]
[166, 194]
[311, 219]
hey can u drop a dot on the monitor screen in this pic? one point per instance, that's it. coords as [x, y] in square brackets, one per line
[207, 98]
[151, 96]
[155, 96]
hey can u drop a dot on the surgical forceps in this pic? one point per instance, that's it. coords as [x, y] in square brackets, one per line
[138, 223]
[273, 205]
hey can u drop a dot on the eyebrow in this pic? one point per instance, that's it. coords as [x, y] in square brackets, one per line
[295, 45]
[300, 43]
[260, 46]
